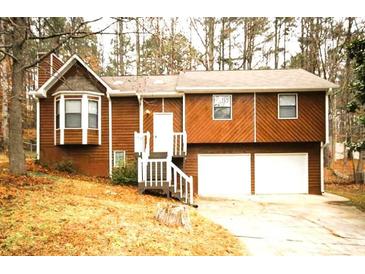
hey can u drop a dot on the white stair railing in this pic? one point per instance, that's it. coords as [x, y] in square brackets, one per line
[154, 172]
[142, 143]
[180, 144]
[182, 183]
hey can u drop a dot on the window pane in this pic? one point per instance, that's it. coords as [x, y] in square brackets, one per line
[57, 114]
[287, 112]
[93, 107]
[93, 121]
[222, 100]
[119, 158]
[222, 113]
[287, 100]
[73, 106]
[73, 120]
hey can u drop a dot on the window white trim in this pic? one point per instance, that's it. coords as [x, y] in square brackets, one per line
[296, 106]
[220, 119]
[119, 151]
[84, 117]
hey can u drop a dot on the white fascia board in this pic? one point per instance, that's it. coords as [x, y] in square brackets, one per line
[244, 89]
[117, 93]
[161, 95]
[78, 92]
[42, 91]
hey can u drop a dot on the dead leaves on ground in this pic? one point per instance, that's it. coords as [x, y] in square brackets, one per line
[78, 215]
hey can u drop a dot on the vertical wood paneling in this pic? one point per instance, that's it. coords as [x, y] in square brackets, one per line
[201, 128]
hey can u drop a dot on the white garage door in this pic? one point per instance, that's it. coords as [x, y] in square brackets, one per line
[224, 175]
[281, 173]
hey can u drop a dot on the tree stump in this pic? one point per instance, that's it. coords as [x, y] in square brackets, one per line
[173, 215]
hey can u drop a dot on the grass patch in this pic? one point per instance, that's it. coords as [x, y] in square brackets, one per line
[55, 214]
[354, 192]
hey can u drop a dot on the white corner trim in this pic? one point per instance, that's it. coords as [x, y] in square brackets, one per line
[254, 117]
[62, 120]
[84, 118]
[110, 137]
[327, 115]
[184, 111]
[141, 115]
[38, 123]
[322, 167]
[163, 104]
[99, 121]
[51, 65]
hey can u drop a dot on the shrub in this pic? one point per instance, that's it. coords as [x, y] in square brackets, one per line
[65, 166]
[126, 174]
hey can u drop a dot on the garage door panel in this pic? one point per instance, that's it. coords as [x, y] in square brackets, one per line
[281, 173]
[224, 175]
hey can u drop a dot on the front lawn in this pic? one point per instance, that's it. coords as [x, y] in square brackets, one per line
[56, 214]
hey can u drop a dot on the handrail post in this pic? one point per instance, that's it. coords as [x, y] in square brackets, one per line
[185, 142]
[139, 169]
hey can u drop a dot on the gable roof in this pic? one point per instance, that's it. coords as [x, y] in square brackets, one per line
[251, 80]
[42, 91]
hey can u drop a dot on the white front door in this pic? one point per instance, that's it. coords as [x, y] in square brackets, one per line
[224, 175]
[163, 132]
[281, 173]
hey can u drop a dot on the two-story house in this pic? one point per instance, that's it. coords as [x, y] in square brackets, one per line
[212, 133]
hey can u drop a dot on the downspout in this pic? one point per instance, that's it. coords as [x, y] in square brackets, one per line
[325, 144]
[110, 135]
[38, 122]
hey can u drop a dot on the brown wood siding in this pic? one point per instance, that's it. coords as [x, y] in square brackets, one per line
[92, 137]
[201, 128]
[125, 119]
[313, 150]
[309, 127]
[56, 63]
[150, 106]
[87, 159]
[174, 105]
[72, 136]
[44, 70]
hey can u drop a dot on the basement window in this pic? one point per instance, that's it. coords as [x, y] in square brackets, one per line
[72, 113]
[222, 107]
[288, 106]
[119, 158]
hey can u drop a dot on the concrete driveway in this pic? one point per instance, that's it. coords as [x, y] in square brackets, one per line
[291, 224]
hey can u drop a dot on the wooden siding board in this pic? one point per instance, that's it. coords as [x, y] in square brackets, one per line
[87, 159]
[201, 128]
[125, 121]
[313, 150]
[309, 127]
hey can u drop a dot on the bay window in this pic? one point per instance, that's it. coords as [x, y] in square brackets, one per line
[77, 119]
[72, 113]
[93, 114]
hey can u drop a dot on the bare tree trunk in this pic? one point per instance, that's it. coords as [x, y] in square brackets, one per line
[4, 87]
[138, 48]
[230, 46]
[276, 43]
[16, 150]
[211, 23]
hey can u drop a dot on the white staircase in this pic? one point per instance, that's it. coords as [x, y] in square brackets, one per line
[156, 171]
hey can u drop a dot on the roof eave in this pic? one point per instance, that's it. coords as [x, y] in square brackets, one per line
[246, 89]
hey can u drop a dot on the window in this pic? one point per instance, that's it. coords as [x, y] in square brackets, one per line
[93, 114]
[58, 114]
[222, 107]
[288, 106]
[72, 113]
[119, 158]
